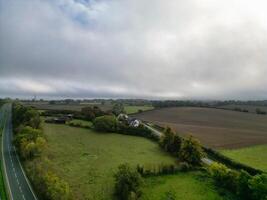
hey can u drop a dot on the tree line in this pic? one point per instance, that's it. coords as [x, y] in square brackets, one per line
[30, 142]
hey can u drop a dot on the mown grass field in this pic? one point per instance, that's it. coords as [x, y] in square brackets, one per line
[215, 128]
[88, 160]
[255, 156]
[135, 109]
[186, 186]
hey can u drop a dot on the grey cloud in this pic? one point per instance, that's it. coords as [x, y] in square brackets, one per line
[142, 49]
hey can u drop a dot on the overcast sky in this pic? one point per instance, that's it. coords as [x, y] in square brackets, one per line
[174, 49]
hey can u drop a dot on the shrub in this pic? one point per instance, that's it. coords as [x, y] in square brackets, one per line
[191, 151]
[243, 190]
[258, 186]
[170, 141]
[106, 123]
[127, 183]
[224, 177]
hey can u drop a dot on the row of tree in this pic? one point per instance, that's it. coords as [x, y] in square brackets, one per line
[187, 150]
[30, 143]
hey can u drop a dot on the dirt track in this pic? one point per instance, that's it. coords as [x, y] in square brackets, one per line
[213, 127]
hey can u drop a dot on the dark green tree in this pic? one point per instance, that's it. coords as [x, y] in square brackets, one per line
[191, 151]
[127, 183]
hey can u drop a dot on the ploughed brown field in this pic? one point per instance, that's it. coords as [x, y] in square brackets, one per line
[220, 129]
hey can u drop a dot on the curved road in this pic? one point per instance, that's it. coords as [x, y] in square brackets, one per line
[17, 183]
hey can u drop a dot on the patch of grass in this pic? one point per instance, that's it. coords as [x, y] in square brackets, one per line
[82, 122]
[254, 156]
[88, 160]
[135, 109]
[185, 186]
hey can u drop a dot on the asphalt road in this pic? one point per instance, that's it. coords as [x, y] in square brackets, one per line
[18, 185]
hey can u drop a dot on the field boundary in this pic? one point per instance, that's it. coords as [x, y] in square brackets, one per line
[217, 156]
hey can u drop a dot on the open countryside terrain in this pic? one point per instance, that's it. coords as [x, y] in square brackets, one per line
[220, 129]
[87, 160]
[255, 156]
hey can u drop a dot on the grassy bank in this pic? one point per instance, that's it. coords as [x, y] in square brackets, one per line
[254, 156]
[88, 160]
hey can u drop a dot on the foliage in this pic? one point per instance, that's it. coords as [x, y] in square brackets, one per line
[191, 151]
[159, 169]
[231, 163]
[106, 123]
[242, 184]
[224, 177]
[141, 130]
[25, 116]
[258, 186]
[170, 141]
[127, 183]
[90, 113]
[118, 108]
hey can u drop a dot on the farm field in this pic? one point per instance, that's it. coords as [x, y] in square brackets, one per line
[88, 160]
[71, 107]
[135, 109]
[186, 186]
[220, 129]
[253, 156]
[250, 108]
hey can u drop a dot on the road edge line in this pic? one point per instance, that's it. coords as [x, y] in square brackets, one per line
[26, 178]
[4, 161]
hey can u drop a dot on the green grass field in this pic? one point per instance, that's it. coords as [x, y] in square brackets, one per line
[88, 160]
[135, 109]
[254, 156]
[186, 186]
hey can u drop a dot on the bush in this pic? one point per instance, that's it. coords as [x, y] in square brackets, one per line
[170, 141]
[224, 177]
[191, 151]
[106, 123]
[243, 190]
[127, 183]
[258, 186]
[155, 170]
[141, 130]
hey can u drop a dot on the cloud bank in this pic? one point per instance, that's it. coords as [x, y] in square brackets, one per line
[134, 49]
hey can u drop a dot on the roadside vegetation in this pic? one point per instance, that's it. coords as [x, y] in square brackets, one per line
[30, 143]
[3, 194]
[254, 156]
